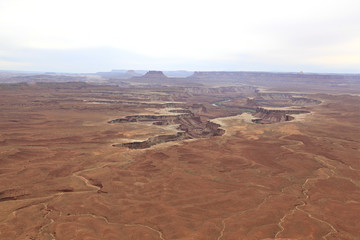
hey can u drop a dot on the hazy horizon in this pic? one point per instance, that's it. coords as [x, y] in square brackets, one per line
[141, 71]
[93, 36]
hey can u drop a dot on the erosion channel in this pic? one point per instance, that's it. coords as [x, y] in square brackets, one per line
[190, 124]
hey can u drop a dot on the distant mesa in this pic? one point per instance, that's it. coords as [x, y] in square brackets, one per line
[167, 74]
[126, 71]
[132, 73]
[154, 75]
[178, 73]
[121, 74]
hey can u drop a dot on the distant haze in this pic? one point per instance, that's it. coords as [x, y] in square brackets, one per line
[231, 35]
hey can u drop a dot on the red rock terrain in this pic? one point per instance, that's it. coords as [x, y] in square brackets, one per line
[61, 177]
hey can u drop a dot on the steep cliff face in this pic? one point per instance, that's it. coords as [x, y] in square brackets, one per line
[284, 99]
[214, 129]
[151, 118]
[302, 101]
[287, 111]
[189, 124]
[268, 116]
[250, 102]
[197, 108]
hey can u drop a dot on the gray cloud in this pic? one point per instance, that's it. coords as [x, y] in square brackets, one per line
[105, 59]
[276, 35]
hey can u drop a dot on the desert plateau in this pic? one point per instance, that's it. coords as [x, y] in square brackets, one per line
[212, 155]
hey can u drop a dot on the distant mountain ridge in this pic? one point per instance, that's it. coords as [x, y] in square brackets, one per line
[275, 81]
[125, 74]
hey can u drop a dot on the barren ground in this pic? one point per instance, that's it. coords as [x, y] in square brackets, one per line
[62, 178]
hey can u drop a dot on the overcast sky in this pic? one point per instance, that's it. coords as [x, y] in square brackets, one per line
[256, 35]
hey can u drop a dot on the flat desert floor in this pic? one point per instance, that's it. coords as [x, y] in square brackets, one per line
[66, 175]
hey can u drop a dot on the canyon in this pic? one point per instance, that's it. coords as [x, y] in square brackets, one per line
[212, 155]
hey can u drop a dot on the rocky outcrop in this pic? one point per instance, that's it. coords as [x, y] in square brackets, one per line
[250, 102]
[214, 128]
[267, 116]
[190, 126]
[284, 99]
[302, 101]
[287, 111]
[147, 118]
[197, 108]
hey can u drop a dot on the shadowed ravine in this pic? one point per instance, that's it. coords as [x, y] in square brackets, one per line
[190, 125]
